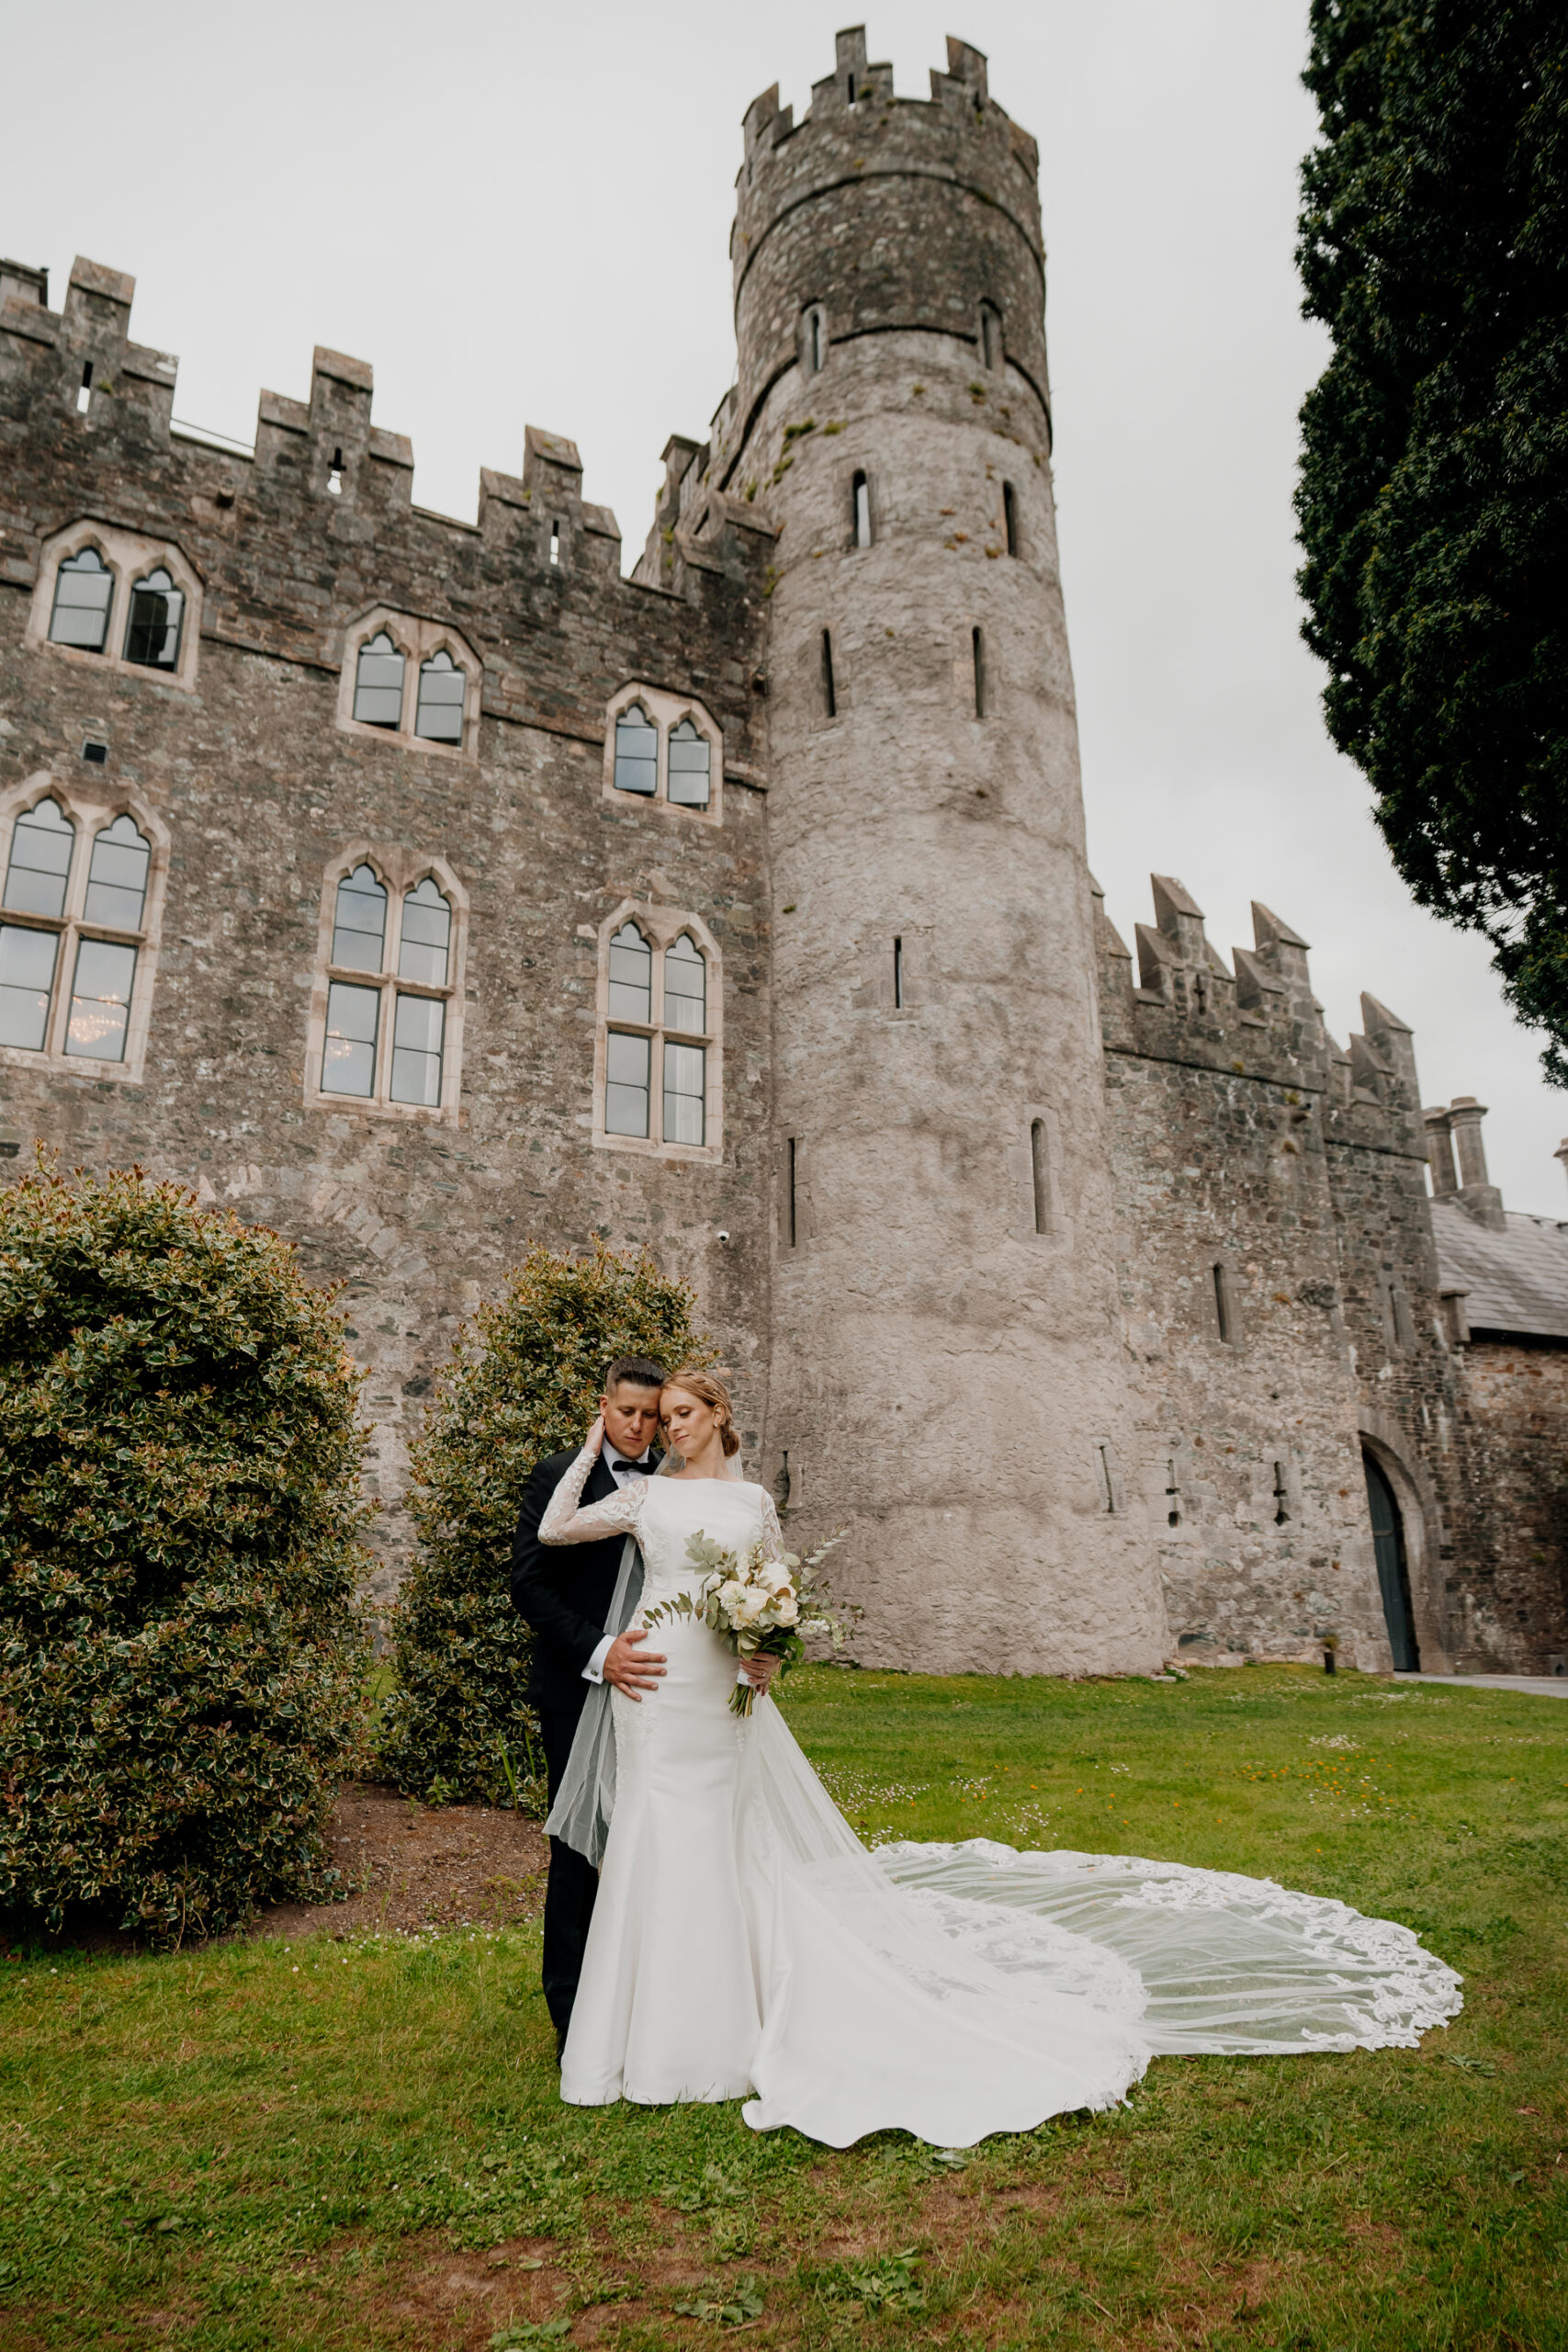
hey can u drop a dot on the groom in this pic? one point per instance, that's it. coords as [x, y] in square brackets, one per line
[563, 1591]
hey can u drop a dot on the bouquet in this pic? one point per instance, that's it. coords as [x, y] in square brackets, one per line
[762, 1607]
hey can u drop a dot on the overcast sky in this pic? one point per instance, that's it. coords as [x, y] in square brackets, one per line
[520, 214]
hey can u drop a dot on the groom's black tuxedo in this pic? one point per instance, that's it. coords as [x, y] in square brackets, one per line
[563, 1591]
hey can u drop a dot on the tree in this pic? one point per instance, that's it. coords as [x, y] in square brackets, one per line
[1433, 501]
[524, 1383]
[181, 1663]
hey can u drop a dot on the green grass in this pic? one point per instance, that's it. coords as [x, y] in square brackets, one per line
[361, 2144]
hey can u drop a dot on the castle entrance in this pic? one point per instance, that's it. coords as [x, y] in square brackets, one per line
[1393, 1575]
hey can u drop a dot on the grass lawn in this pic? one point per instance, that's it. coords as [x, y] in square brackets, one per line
[360, 2144]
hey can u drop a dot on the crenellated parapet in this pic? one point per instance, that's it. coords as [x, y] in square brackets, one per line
[946, 238]
[1258, 1019]
[294, 538]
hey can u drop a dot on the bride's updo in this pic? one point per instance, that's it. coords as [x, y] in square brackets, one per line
[711, 1391]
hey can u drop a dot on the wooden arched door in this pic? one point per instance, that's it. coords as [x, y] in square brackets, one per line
[1393, 1575]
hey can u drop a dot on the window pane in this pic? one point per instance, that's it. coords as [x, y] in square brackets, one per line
[27, 976]
[378, 684]
[631, 975]
[117, 878]
[157, 608]
[627, 1064]
[359, 923]
[348, 1057]
[686, 986]
[417, 1029]
[42, 842]
[684, 1086]
[427, 936]
[688, 768]
[100, 999]
[442, 687]
[637, 753]
[82, 588]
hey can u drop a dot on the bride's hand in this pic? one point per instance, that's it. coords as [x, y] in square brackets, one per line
[596, 1434]
[759, 1670]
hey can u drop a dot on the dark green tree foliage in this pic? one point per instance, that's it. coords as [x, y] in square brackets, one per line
[524, 1383]
[180, 1665]
[1434, 493]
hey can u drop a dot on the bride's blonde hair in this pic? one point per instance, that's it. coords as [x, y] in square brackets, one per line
[709, 1390]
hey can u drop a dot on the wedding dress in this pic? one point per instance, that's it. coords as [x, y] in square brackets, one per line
[744, 1942]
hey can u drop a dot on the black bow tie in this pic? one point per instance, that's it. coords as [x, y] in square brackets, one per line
[643, 1469]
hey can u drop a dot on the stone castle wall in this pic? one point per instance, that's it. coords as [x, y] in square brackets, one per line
[260, 787]
[1079, 1294]
[1279, 1291]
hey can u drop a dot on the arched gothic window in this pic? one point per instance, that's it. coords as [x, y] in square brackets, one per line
[117, 876]
[359, 923]
[415, 679]
[157, 612]
[77, 938]
[84, 588]
[665, 750]
[636, 751]
[685, 986]
[42, 842]
[688, 758]
[631, 975]
[378, 684]
[387, 1027]
[660, 1038]
[442, 687]
[426, 952]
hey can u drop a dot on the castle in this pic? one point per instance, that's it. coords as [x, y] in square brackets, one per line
[420, 889]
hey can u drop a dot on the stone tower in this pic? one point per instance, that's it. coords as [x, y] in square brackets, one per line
[949, 1377]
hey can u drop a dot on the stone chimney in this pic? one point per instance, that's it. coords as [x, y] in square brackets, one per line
[1440, 1152]
[1562, 1153]
[1476, 1196]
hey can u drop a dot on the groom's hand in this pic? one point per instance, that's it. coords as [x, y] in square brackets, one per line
[631, 1669]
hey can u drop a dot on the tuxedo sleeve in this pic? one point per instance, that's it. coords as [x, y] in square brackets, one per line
[539, 1572]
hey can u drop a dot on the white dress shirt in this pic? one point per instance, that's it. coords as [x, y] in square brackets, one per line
[620, 1470]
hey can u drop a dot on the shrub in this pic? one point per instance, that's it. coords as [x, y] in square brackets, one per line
[181, 1667]
[524, 1382]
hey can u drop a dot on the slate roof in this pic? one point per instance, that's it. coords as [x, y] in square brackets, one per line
[1517, 1280]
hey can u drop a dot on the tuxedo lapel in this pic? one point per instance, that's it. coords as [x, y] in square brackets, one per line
[600, 1484]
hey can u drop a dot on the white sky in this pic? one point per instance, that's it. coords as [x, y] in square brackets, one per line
[520, 214]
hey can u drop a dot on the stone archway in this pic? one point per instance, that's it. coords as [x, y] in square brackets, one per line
[1393, 1576]
[1386, 1447]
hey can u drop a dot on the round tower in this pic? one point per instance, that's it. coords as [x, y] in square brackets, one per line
[949, 1377]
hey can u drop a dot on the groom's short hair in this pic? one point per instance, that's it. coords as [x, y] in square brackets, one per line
[637, 1372]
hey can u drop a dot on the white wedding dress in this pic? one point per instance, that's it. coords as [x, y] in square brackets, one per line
[744, 1942]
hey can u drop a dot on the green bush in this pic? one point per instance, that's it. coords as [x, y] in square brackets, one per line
[524, 1383]
[181, 1663]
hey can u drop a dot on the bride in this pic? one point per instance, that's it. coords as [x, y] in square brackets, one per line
[744, 1942]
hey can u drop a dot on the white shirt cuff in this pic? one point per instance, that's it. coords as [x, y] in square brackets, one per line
[595, 1669]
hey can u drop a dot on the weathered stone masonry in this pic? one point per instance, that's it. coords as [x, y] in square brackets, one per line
[1082, 1301]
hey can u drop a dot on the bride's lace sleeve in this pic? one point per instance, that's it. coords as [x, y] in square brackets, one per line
[562, 1522]
[772, 1533]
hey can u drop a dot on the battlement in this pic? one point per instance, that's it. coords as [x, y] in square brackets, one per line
[1258, 1021]
[877, 213]
[296, 537]
[855, 116]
